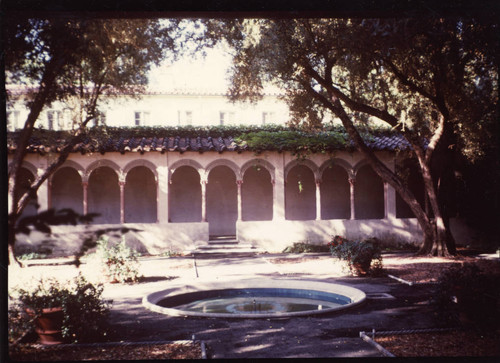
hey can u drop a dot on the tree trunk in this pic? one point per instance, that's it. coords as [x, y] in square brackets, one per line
[428, 229]
[11, 240]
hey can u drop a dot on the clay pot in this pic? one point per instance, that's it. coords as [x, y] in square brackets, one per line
[360, 269]
[48, 325]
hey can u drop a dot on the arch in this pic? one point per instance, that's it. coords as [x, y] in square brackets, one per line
[186, 162]
[339, 162]
[222, 200]
[103, 163]
[224, 162]
[140, 195]
[28, 166]
[308, 163]
[74, 165]
[257, 194]
[184, 196]
[259, 162]
[300, 193]
[335, 192]
[368, 193]
[140, 162]
[66, 189]
[104, 194]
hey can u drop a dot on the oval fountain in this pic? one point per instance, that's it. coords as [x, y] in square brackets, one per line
[254, 299]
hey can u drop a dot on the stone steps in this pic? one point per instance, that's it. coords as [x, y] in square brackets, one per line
[226, 246]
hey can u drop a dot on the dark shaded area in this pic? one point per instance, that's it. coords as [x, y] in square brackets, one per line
[368, 194]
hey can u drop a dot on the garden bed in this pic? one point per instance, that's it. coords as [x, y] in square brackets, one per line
[428, 269]
[156, 351]
[442, 344]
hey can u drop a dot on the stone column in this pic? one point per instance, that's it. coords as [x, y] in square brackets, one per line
[386, 201]
[352, 182]
[203, 200]
[122, 201]
[279, 191]
[43, 193]
[162, 194]
[238, 183]
[318, 200]
[85, 185]
[390, 194]
[49, 193]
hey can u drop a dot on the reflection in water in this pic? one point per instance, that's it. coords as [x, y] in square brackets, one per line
[257, 305]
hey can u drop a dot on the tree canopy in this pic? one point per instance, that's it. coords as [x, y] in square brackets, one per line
[75, 60]
[432, 79]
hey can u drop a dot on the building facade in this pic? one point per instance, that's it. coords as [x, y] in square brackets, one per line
[176, 194]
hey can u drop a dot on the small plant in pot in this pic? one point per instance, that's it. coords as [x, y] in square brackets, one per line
[362, 257]
[68, 312]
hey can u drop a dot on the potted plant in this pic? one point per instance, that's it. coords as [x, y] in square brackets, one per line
[67, 312]
[357, 254]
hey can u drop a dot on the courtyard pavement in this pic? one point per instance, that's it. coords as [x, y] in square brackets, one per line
[320, 336]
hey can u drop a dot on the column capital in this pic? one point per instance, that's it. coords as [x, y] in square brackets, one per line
[239, 182]
[121, 183]
[352, 180]
[318, 182]
[85, 184]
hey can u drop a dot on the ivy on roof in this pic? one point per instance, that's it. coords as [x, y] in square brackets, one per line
[297, 140]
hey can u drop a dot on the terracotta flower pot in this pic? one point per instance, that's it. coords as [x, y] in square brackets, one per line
[48, 325]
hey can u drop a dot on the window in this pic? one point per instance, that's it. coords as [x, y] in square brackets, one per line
[141, 118]
[55, 120]
[13, 120]
[226, 118]
[185, 117]
[267, 117]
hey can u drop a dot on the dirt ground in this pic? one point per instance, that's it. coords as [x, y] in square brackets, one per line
[304, 337]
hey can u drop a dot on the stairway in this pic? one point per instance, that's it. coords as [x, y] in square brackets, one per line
[224, 246]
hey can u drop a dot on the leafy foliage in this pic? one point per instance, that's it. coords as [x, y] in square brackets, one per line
[118, 262]
[362, 257]
[83, 308]
[433, 79]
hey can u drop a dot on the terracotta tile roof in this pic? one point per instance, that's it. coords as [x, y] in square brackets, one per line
[124, 142]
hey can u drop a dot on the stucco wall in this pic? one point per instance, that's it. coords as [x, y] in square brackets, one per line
[179, 179]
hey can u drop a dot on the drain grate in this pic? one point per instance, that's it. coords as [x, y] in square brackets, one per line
[379, 296]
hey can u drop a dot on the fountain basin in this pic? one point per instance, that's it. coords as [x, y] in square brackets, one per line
[254, 299]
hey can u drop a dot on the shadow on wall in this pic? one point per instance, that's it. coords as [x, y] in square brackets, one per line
[275, 236]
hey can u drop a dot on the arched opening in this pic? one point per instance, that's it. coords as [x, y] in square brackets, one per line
[300, 194]
[185, 195]
[335, 193]
[368, 194]
[140, 196]
[409, 173]
[257, 195]
[222, 202]
[66, 190]
[24, 180]
[104, 195]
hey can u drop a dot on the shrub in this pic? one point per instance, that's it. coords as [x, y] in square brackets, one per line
[302, 247]
[359, 255]
[118, 262]
[463, 294]
[83, 308]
